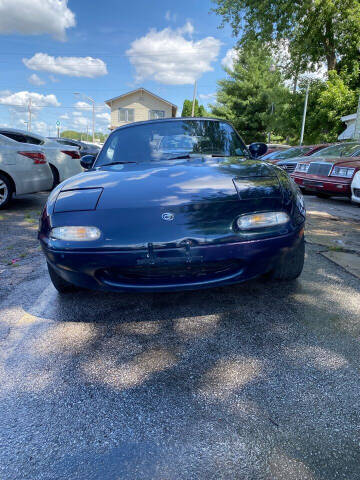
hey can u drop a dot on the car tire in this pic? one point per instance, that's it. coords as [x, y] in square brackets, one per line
[6, 191]
[56, 176]
[61, 285]
[291, 266]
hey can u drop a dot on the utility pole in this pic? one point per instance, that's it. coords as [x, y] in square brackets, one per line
[304, 114]
[272, 113]
[193, 103]
[29, 108]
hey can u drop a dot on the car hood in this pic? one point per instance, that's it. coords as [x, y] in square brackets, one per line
[170, 184]
[133, 203]
[332, 160]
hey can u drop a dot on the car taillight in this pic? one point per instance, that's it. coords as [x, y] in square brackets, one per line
[38, 157]
[72, 153]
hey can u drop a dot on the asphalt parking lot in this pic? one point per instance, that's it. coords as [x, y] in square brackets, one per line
[254, 381]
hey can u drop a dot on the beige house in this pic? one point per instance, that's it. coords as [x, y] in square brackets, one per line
[137, 106]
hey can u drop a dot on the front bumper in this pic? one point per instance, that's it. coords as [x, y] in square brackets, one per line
[315, 183]
[172, 269]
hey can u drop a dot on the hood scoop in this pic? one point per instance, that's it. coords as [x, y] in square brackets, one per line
[257, 187]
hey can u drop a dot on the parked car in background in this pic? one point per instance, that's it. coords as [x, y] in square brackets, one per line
[23, 169]
[290, 164]
[84, 147]
[292, 152]
[330, 171]
[276, 147]
[146, 219]
[64, 160]
[355, 188]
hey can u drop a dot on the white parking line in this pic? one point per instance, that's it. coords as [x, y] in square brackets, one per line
[44, 299]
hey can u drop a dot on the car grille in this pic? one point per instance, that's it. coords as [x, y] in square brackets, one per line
[183, 273]
[288, 167]
[357, 192]
[322, 169]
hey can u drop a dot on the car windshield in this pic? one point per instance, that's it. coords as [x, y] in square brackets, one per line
[165, 140]
[291, 153]
[341, 150]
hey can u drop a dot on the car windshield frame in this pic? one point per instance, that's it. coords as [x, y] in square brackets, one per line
[142, 141]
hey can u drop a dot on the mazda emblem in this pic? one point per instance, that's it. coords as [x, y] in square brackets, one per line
[168, 216]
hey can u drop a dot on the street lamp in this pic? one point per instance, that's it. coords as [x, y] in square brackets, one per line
[93, 112]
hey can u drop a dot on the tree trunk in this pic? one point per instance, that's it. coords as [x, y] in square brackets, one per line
[331, 61]
[330, 46]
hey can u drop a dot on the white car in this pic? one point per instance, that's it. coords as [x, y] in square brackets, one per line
[355, 188]
[23, 169]
[64, 160]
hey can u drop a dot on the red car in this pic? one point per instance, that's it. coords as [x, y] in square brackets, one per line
[292, 153]
[329, 172]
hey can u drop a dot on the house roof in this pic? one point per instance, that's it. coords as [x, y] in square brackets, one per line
[108, 102]
[346, 118]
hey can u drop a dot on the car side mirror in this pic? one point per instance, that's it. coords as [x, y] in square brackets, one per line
[258, 149]
[87, 161]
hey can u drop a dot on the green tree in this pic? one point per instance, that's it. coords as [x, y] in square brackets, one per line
[317, 30]
[199, 110]
[82, 136]
[253, 96]
[331, 101]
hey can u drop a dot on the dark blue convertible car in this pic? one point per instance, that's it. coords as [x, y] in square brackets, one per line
[173, 204]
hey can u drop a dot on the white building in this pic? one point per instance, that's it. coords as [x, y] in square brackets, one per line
[348, 133]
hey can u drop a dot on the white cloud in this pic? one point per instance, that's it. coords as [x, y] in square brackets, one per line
[82, 105]
[77, 114]
[21, 99]
[36, 17]
[170, 17]
[103, 117]
[65, 116]
[41, 128]
[168, 57]
[72, 66]
[53, 79]
[207, 96]
[36, 80]
[229, 59]
[81, 123]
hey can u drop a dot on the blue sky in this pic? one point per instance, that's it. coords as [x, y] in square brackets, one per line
[103, 49]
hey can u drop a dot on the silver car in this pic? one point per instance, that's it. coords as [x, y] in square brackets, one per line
[64, 160]
[23, 169]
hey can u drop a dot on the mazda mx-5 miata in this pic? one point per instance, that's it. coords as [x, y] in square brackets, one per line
[143, 218]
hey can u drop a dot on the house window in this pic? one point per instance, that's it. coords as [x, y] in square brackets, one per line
[126, 115]
[153, 114]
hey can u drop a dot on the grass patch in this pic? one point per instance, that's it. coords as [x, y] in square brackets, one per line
[338, 249]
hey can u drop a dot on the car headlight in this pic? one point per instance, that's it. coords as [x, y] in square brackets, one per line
[75, 234]
[261, 220]
[342, 172]
[302, 167]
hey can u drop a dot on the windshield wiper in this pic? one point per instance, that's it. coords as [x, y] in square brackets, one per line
[195, 155]
[114, 163]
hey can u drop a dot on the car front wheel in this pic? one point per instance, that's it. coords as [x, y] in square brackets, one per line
[291, 265]
[61, 285]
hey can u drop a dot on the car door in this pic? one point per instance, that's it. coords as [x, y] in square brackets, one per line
[25, 165]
